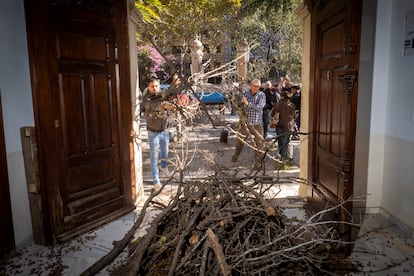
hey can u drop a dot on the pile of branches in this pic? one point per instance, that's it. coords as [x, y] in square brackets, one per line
[229, 227]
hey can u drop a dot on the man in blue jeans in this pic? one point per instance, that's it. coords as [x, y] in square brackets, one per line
[155, 109]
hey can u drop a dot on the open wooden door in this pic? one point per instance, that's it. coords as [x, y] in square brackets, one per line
[81, 92]
[333, 93]
[6, 221]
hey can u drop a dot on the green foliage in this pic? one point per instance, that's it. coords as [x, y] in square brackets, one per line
[271, 6]
[150, 10]
[187, 19]
[278, 33]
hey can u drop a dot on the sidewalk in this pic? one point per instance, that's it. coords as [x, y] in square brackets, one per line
[204, 140]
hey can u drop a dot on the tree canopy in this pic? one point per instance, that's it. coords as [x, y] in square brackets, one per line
[271, 26]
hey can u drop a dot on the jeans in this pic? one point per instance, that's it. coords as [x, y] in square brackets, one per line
[297, 114]
[158, 141]
[266, 120]
[283, 141]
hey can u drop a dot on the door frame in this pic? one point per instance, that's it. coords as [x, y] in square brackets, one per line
[7, 243]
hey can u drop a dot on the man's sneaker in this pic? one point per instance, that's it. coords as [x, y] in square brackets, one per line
[156, 188]
[164, 172]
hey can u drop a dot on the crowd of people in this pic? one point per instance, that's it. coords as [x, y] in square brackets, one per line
[269, 106]
[261, 106]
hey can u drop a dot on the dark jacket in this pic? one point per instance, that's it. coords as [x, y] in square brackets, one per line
[295, 99]
[156, 116]
[271, 99]
[286, 110]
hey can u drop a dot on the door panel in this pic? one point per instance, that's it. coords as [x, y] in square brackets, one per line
[335, 31]
[83, 132]
[86, 66]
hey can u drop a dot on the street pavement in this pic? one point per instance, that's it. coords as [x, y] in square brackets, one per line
[200, 149]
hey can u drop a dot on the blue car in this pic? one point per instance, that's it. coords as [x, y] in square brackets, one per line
[206, 97]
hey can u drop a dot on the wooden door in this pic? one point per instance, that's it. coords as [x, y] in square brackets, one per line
[6, 220]
[335, 52]
[80, 76]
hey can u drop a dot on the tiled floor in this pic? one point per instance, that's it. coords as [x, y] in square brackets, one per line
[381, 248]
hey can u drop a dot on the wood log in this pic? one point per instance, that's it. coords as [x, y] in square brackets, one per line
[204, 259]
[218, 251]
[188, 229]
[135, 261]
[121, 244]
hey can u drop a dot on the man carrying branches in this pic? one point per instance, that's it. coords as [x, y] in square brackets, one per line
[252, 101]
[156, 112]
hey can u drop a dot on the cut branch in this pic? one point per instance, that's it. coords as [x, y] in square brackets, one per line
[218, 251]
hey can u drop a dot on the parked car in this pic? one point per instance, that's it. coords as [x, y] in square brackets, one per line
[211, 94]
[207, 97]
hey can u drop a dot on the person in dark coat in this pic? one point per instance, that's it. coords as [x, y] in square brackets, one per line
[295, 98]
[272, 97]
[285, 109]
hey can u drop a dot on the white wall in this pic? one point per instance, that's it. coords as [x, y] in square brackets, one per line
[15, 89]
[391, 159]
[365, 95]
[378, 105]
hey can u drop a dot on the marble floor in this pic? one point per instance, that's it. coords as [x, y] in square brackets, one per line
[382, 248]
